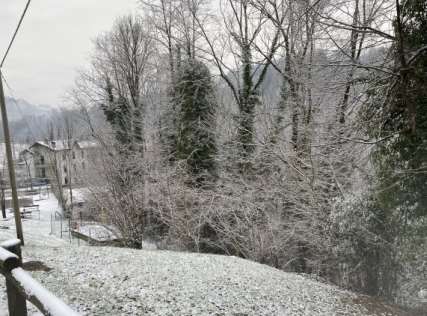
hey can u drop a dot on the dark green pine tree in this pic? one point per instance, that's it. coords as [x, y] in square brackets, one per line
[194, 93]
[402, 160]
[399, 203]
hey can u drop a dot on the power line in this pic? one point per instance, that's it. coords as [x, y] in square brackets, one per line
[14, 34]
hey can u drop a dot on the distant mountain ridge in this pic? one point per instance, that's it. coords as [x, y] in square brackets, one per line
[18, 108]
[27, 121]
[30, 122]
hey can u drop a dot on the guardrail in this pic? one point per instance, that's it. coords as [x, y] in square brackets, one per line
[21, 287]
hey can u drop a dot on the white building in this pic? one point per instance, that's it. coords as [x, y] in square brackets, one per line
[58, 161]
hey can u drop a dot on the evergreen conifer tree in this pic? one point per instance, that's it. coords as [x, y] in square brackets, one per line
[195, 137]
[398, 207]
[402, 159]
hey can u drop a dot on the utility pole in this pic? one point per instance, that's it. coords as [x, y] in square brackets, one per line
[10, 164]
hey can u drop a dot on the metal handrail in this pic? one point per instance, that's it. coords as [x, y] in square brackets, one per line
[21, 287]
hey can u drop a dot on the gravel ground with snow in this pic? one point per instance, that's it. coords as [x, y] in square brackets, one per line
[114, 281]
[118, 281]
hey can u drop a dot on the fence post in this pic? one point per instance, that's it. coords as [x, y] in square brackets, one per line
[16, 303]
[69, 230]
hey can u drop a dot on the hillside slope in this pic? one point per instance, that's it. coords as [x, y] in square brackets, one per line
[119, 281]
[116, 281]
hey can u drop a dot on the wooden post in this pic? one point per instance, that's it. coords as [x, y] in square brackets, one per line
[17, 304]
[3, 202]
[11, 167]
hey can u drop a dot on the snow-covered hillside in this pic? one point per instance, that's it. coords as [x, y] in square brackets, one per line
[118, 281]
[114, 281]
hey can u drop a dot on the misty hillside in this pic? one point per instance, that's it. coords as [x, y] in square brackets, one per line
[30, 122]
[27, 121]
[19, 108]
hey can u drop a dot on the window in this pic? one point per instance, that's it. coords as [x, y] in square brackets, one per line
[64, 156]
[83, 166]
[65, 169]
[74, 154]
[83, 154]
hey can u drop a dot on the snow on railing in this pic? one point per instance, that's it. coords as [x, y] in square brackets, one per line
[20, 286]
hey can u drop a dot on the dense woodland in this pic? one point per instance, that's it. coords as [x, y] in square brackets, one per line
[292, 133]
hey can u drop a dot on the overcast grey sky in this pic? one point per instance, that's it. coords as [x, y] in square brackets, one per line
[53, 42]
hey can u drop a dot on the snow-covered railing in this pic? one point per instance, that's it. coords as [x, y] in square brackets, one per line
[20, 286]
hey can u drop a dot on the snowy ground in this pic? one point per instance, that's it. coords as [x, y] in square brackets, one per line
[97, 232]
[117, 281]
[36, 231]
[37, 234]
